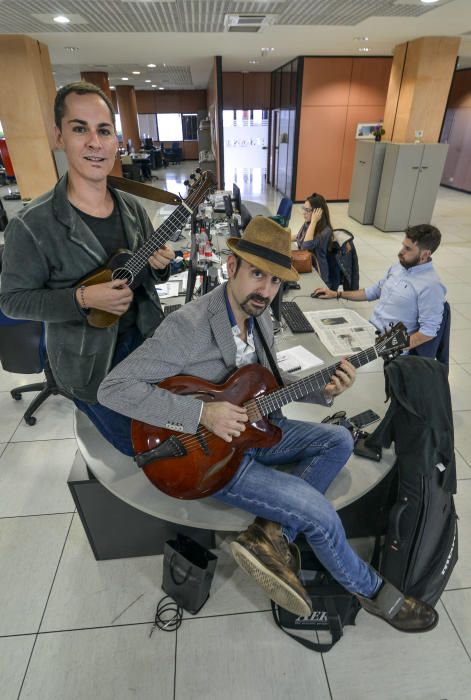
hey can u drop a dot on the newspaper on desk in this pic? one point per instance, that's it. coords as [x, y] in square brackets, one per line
[342, 331]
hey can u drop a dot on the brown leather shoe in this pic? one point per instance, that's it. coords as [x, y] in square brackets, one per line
[289, 553]
[264, 554]
[404, 613]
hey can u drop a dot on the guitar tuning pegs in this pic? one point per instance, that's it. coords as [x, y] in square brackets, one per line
[192, 176]
[198, 170]
[187, 183]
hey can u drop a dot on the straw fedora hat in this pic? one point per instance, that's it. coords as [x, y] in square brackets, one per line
[266, 245]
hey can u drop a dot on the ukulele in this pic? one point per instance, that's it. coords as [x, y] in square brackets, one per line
[130, 267]
[195, 466]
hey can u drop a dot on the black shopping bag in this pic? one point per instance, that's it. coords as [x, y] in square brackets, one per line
[333, 607]
[188, 572]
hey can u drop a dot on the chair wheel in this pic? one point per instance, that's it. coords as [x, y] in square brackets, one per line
[16, 394]
[31, 420]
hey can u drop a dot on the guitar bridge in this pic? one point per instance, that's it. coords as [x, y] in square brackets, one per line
[170, 448]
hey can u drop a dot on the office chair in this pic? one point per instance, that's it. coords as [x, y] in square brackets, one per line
[23, 351]
[439, 347]
[283, 214]
[173, 154]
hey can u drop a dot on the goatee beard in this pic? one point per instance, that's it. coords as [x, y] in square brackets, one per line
[251, 311]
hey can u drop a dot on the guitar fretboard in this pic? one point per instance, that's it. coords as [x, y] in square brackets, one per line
[167, 229]
[314, 383]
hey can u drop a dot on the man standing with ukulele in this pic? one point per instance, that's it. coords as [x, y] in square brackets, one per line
[62, 237]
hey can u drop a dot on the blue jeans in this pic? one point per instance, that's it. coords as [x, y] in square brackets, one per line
[115, 427]
[294, 498]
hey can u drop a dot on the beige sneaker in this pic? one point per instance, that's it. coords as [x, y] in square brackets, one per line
[264, 554]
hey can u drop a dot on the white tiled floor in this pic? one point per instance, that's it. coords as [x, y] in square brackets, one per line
[75, 628]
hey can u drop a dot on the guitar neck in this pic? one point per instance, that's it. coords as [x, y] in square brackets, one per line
[309, 385]
[164, 233]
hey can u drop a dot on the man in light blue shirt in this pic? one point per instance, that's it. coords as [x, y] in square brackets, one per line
[411, 290]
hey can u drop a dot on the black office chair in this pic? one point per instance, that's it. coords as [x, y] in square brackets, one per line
[173, 154]
[23, 351]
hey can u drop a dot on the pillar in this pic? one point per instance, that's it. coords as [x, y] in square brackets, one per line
[418, 90]
[27, 92]
[100, 79]
[127, 106]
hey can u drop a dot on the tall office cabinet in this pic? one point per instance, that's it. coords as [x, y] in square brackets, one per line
[409, 184]
[369, 157]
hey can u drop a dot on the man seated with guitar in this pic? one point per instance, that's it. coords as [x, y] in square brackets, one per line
[62, 237]
[209, 338]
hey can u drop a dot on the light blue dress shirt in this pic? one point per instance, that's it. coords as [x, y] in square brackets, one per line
[414, 296]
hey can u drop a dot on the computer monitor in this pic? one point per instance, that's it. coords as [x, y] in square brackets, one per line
[236, 197]
[275, 305]
[228, 206]
[234, 230]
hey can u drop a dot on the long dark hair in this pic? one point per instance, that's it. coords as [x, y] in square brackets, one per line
[317, 201]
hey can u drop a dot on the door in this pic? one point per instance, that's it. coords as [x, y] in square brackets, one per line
[398, 183]
[428, 182]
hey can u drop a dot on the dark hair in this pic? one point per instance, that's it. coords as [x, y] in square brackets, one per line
[238, 264]
[79, 88]
[426, 236]
[317, 201]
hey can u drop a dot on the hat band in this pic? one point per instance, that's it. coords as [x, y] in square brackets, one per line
[265, 253]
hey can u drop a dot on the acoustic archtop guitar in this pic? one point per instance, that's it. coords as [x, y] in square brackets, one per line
[195, 466]
[130, 267]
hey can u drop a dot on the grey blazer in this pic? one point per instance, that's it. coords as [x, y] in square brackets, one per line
[48, 249]
[196, 340]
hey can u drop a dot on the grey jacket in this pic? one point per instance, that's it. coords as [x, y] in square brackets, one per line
[196, 340]
[48, 249]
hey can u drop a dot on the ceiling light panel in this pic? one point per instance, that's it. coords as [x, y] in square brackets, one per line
[53, 18]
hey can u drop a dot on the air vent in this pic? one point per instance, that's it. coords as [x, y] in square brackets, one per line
[249, 23]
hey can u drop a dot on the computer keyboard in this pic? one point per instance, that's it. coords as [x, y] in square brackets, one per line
[171, 307]
[295, 318]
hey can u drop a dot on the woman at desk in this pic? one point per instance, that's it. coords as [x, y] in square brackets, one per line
[316, 232]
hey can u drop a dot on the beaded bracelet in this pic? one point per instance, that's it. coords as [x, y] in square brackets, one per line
[339, 295]
[82, 297]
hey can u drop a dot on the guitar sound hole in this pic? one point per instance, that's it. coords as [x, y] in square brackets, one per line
[122, 274]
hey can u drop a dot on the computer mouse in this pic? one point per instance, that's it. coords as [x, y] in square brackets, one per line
[314, 295]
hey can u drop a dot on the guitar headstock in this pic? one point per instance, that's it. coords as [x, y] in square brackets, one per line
[392, 342]
[193, 180]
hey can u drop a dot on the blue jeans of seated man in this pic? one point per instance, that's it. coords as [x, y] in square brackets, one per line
[114, 427]
[294, 498]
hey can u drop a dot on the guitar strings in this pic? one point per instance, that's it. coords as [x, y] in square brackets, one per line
[193, 440]
[177, 218]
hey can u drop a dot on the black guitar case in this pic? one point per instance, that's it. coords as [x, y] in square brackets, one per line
[421, 544]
